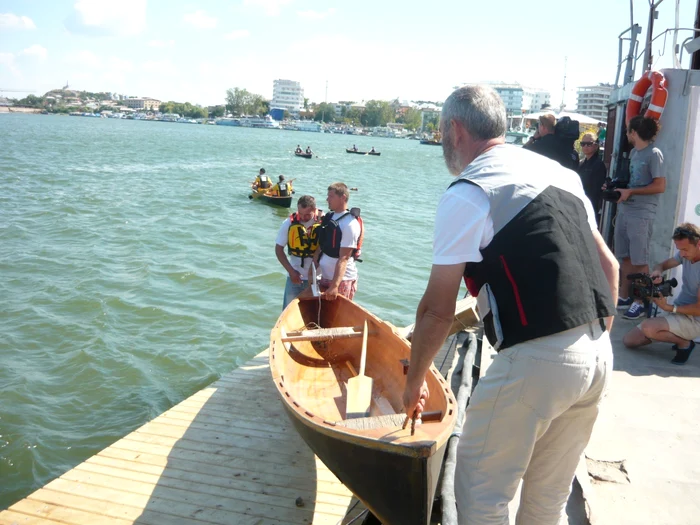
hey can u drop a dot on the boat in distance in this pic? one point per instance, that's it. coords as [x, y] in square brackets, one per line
[376, 153]
[394, 473]
[304, 155]
[275, 200]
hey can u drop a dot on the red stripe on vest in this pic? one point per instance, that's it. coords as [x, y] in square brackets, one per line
[518, 302]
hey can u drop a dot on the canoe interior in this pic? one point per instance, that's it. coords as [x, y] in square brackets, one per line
[315, 373]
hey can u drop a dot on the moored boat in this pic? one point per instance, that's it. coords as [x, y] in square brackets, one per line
[392, 472]
[431, 142]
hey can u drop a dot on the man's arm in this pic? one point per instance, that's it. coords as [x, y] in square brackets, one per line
[666, 265]
[686, 309]
[343, 258]
[611, 269]
[434, 318]
[282, 258]
[657, 185]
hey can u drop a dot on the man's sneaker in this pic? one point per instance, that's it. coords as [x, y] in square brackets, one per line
[682, 355]
[635, 311]
[624, 303]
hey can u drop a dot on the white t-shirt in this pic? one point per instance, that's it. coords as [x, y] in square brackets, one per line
[350, 229]
[463, 223]
[283, 237]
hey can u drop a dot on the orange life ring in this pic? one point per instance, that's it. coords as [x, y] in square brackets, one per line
[659, 95]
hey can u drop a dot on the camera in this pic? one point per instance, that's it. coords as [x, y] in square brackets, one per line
[610, 192]
[643, 287]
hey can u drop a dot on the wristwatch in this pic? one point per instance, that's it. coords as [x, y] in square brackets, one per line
[675, 308]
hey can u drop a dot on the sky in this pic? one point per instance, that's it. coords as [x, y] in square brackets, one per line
[415, 50]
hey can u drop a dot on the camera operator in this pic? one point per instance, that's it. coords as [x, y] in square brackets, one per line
[637, 208]
[682, 325]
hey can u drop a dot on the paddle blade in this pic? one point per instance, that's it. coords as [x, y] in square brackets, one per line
[359, 397]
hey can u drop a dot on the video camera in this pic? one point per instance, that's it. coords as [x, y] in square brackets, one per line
[643, 287]
[610, 192]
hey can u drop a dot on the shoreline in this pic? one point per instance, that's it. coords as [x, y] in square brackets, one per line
[9, 109]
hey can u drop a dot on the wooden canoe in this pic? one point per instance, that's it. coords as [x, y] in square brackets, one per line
[304, 155]
[375, 153]
[283, 202]
[393, 473]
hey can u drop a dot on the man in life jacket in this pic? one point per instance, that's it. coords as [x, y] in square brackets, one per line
[298, 150]
[340, 238]
[281, 188]
[299, 233]
[262, 181]
[521, 232]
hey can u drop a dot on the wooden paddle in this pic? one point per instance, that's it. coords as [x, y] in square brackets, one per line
[359, 393]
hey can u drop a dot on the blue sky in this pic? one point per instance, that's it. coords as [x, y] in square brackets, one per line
[417, 50]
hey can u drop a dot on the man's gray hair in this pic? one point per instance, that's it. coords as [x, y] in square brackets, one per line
[479, 109]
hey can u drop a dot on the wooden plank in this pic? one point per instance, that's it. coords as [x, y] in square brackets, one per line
[49, 511]
[323, 334]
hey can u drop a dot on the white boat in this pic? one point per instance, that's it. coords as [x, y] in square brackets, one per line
[307, 125]
[259, 122]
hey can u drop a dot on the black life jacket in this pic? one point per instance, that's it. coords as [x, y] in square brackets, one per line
[264, 181]
[300, 241]
[283, 189]
[330, 234]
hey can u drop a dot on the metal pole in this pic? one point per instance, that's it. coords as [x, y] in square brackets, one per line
[695, 60]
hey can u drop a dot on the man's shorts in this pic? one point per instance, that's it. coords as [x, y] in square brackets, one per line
[345, 288]
[632, 238]
[684, 326]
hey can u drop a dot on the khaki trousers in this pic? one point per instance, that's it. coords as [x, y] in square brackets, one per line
[530, 417]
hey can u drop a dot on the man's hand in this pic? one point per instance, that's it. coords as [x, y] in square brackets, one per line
[331, 293]
[414, 399]
[661, 303]
[295, 277]
[656, 276]
[624, 194]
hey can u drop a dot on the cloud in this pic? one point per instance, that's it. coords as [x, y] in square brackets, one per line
[161, 43]
[200, 19]
[99, 18]
[10, 21]
[310, 14]
[271, 7]
[87, 59]
[236, 35]
[8, 60]
[161, 67]
[37, 51]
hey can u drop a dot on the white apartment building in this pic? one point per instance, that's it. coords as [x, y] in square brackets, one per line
[519, 99]
[287, 94]
[592, 101]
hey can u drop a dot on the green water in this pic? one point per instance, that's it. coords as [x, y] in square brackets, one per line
[135, 270]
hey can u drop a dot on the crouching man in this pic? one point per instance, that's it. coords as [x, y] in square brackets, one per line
[682, 325]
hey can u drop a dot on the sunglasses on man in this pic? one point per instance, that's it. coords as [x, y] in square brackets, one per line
[585, 144]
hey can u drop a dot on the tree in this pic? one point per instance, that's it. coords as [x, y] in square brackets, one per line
[325, 112]
[306, 103]
[411, 119]
[217, 111]
[242, 102]
[377, 113]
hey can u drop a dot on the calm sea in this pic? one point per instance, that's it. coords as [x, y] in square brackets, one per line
[134, 270]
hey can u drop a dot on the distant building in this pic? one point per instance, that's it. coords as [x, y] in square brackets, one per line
[592, 101]
[519, 99]
[288, 95]
[149, 104]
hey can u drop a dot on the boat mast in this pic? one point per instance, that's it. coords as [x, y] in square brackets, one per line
[653, 15]
[695, 61]
[563, 89]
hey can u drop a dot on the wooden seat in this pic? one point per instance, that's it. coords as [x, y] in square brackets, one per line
[323, 334]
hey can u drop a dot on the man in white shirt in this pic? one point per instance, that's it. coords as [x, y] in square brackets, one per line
[299, 234]
[339, 238]
[521, 232]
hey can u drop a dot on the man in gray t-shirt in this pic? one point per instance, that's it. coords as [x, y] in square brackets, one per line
[636, 209]
[682, 325]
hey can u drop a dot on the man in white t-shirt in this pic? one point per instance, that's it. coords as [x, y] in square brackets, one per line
[518, 228]
[299, 235]
[339, 238]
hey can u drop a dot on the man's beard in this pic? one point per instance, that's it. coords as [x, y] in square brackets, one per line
[450, 155]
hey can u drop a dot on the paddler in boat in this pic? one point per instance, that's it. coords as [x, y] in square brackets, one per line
[262, 181]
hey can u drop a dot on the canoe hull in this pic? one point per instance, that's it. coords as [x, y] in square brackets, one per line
[393, 472]
[398, 489]
[282, 202]
[304, 155]
[375, 153]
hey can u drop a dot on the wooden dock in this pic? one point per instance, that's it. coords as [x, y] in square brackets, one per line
[226, 455]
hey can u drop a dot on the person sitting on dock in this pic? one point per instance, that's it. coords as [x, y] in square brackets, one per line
[682, 325]
[340, 238]
[262, 181]
[281, 188]
[299, 233]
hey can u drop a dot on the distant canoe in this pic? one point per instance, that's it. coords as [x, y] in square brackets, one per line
[282, 202]
[431, 142]
[305, 155]
[393, 473]
[375, 153]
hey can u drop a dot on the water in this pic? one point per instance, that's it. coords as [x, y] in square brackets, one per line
[135, 270]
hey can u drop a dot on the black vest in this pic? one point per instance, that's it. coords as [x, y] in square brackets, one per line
[542, 266]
